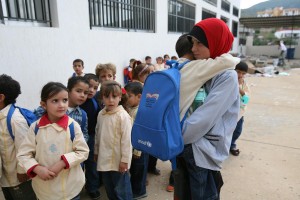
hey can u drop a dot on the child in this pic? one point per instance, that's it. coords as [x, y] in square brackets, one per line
[140, 71]
[148, 60]
[139, 163]
[92, 108]
[105, 72]
[159, 64]
[78, 66]
[128, 72]
[113, 150]
[14, 181]
[241, 69]
[78, 90]
[48, 153]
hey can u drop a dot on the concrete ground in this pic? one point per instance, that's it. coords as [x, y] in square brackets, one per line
[268, 165]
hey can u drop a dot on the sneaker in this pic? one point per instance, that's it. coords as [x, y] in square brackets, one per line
[235, 152]
[170, 188]
[95, 195]
[136, 196]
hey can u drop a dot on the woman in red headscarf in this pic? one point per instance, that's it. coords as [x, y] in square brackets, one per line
[207, 131]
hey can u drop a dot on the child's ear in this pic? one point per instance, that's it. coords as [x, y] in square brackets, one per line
[2, 98]
[139, 96]
[43, 104]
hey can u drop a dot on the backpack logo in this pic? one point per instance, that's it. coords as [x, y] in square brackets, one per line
[151, 99]
[146, 143]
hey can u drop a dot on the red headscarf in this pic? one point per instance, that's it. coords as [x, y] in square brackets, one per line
[218, 36]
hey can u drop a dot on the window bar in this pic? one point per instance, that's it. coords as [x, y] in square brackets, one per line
[94, 13]
[44, 10]
[17, 8]
[99, 13]
[1, 13]
[121, 14]
[102, 5]
[49, 15]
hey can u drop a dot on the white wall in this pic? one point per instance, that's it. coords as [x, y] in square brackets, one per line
[36, 55]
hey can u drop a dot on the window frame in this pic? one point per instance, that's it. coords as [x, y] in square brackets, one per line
[213, 14]
[130, 15]
[215, 3]
[174, 18]
[32, 11]
[234, 32]
[235, 9]
[225, 8]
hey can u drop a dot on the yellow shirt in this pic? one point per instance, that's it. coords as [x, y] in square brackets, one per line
[9, 147]
[46, 148]
[113, 139]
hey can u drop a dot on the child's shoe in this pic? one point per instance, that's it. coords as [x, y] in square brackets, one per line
[135, 196]
[170, 188]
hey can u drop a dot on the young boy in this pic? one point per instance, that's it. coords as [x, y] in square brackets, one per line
[105, 72]
[14, 180]
[92, 108]
[139, 163]
[78, 66]
[241, 69]
[128, 72]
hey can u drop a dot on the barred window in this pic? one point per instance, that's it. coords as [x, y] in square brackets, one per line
[225, 5]
[212, 2]
[234, 28]
[208, 14]
[123, 14]
[181, 16]
[27, 11]
[235, 11]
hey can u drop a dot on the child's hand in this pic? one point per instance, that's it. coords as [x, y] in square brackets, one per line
[57, 167]
[22, 177]
[44, 173]
[96, 157]
[123, 167]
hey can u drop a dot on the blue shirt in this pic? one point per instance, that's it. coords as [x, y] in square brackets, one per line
[209, 129]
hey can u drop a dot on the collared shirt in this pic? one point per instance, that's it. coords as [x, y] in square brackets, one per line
[76, 114]
[10, 147]
[51, 144]
[113, 139]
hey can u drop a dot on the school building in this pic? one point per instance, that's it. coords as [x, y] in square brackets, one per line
[39, 39]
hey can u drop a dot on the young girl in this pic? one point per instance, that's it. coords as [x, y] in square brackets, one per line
[140, 71]
[113, 150]
[49, 154]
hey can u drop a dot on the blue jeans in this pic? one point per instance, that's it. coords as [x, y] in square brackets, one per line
[237, 132]
[93, 177]
[201, 182]
[117, 185]
[138, 172]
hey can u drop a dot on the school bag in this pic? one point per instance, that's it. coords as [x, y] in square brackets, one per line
[157, 127]
[27, 114]
[71, 128]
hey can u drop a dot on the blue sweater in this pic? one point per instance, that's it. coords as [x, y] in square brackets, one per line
[209, 129]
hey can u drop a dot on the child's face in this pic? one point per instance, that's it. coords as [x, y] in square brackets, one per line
[93, 88]
[159, 61]
[112, 101]
[78, 68]
[56, 106]
[241, 75]
[78, 94]
[133, 100]
[106, 75]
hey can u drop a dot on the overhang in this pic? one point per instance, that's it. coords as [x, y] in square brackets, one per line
[270, 22]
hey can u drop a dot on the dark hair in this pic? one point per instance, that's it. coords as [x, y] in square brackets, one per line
[114, 87]
[134, 88]
[75, 80]
[166, 55]
[139, 69]
[90, 76]
[78, 60]
[51, 89]
[242, 66]
[10, 88]
[147, 57]
[183, 46]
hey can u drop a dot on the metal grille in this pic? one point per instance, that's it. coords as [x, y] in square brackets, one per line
[26, 10]
[181, 16]
[123, 14]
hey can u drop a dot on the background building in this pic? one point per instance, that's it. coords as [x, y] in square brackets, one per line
[39, 39]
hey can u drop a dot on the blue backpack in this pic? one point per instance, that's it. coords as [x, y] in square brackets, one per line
[27, 114]
[157, 127]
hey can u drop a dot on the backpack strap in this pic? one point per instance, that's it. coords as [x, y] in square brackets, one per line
[8, 120]
[96, 106]
[71, 127]
[175, 64]
[83, 119]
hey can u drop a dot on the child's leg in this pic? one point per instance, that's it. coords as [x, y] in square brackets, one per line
[237, 132]
[109, 184]
[92, 175]
[138, 172]
[19, 192]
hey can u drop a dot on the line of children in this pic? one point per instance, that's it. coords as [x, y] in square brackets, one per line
[48, 153]
[113, 150]
[14, 181]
